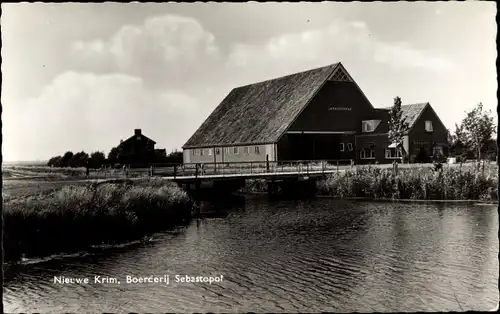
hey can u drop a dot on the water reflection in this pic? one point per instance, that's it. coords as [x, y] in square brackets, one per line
[316, 255]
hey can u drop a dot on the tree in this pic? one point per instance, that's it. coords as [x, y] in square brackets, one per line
[175, 157]
[458, 142]
[55, 162]
[97, 159]
[79, 160]
[478, 127]
[66, 158]
[398, 125]
[114, 154]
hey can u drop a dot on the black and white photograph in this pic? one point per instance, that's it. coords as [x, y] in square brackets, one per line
[250, 157]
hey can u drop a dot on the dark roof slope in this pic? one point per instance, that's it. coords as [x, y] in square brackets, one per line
[261, 112]
[411, 112]
[142, 135]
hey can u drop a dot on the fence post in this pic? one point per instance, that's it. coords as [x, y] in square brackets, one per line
[175, 171]
[196, 170]
[337, 166]
[267, 163]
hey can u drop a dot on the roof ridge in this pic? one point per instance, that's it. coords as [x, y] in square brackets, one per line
[415, 104]
[332, 65]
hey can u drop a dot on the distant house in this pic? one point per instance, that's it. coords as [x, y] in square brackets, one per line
[319, 114]
[137, 149]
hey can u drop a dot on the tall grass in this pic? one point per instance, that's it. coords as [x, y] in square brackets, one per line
[75, 217]
[413, 183]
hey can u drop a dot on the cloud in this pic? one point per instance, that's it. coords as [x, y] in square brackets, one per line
[177, 51]
[340, 41]
[84, 111]
[163, 48]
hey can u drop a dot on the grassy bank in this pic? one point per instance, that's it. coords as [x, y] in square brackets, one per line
[417, 183]
[49, 173]
[75, 217]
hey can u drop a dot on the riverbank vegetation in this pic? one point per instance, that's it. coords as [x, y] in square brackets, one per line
[73, 218]
[415, 183]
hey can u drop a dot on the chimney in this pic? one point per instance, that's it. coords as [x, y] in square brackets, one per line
[137, 132]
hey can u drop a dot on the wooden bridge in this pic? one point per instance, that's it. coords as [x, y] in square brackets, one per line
[243, 170]
[230, 176]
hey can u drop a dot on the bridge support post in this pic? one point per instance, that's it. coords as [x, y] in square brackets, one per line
[271, 187]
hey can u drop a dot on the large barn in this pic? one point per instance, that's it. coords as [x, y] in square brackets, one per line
[319, 114]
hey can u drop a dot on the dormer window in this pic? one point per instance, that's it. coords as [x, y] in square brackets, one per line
[369, 125]
[428, 126]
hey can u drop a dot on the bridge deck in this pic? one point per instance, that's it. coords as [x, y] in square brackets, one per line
[251, 175]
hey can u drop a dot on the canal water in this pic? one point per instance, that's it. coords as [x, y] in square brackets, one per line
[287, 256]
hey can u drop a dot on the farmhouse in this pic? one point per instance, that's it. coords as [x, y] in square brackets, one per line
[319, 114]
[137, 149]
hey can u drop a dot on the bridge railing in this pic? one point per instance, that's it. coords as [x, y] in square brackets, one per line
[253, 167]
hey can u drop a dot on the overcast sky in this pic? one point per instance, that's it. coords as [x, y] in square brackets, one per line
[83, 76]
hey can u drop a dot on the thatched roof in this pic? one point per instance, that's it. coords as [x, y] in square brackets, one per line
[412, 112]
[260, 113]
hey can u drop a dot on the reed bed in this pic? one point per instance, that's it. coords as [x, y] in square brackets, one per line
[416, 183]
[76, 217]
[449, 183]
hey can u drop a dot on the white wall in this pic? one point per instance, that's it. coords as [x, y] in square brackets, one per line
[224, 156]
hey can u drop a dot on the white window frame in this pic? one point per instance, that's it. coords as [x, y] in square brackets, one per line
[228, 151]
[209, 152]
[194, 152]
[202, 152]
[389, 153]
[428, 126]
[236, 150]
[246, 150]
[257, 150]
[349, 147]
[342, 147]
[217, 151]
[363, 153]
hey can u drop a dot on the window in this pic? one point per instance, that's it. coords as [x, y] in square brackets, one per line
[341, 147]
[428, 126]
[340, 76]
[367, 126]
[201, 152]
[228, 151]
[138, 138]
[257, 150]
[367, 153]
[349, 146]
[236, 151]
[417, 145]
[392, 153]
[217, 151]
[194, 152]
[246, 150]
[209, 152]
